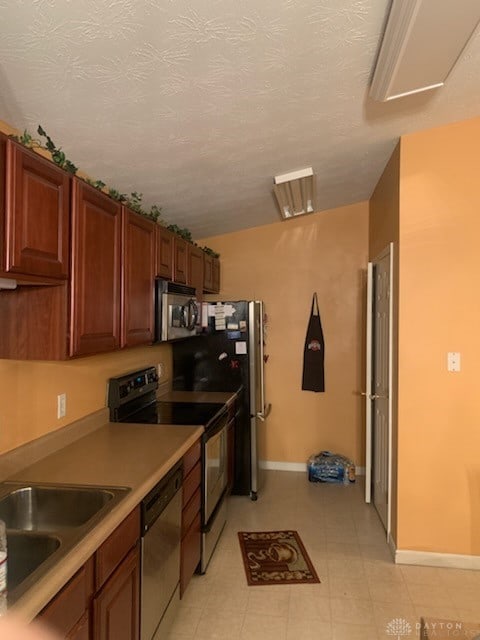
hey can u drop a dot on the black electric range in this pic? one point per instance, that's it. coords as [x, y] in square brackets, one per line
[132, 398]
[187, 413]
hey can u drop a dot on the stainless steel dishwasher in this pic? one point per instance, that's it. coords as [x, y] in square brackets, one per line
[160, 574]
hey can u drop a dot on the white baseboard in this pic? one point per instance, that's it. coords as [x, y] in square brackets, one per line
[295, 466]
[431, 559]
[283, 466]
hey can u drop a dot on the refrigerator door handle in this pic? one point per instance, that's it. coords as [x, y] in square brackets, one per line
[263, 415]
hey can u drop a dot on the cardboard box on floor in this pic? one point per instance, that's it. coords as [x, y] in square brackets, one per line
[435, 629]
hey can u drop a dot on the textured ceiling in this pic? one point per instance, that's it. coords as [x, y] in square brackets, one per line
[199, 104]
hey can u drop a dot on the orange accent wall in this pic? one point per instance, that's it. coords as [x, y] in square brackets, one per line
[439, 411]
[283, 264]
[28, 390]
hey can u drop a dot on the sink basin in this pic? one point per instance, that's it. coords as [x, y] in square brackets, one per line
[44, 522]
[44, 508]
[26, 552]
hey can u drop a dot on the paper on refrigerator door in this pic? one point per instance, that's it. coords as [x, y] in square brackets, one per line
[240, 347]
[219, 316]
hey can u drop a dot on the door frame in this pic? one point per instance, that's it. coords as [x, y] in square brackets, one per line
[389, 250]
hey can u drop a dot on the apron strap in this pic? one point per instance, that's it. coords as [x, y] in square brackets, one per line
[315, 305]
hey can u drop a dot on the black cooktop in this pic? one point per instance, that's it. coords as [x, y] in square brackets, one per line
[187, 413]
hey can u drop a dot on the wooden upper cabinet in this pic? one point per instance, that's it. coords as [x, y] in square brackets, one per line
[195, 269]
[96, 271]
[207, 272]
[37, 213]
[165, 238]
[216, 275]
[138, 279]
[211, 274]
[180, 260]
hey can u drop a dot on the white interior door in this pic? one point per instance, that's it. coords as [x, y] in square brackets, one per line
[379, 385]
[367, 394]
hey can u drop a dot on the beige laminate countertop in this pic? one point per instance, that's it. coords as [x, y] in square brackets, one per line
[131, 455]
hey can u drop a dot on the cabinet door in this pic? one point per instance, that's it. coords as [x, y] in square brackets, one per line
[116, 613]
[190, 553]
[96, 271]
[67, 613]
[37, 215]
[180, 261]
[164, 253]
[138, 279]
[207, 272]
[195, 269]
[81, 631]
[211, 276]
[216, 275]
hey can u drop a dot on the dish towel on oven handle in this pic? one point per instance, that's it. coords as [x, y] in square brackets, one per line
[314, 352]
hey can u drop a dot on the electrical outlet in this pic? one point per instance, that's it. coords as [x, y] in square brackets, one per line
[61, 405]
[160, 370]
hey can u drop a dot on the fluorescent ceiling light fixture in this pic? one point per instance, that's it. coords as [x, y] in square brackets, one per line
[295, 192]
[423, 40]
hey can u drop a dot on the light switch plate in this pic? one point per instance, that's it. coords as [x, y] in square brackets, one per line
[453, 361]
[61, 405]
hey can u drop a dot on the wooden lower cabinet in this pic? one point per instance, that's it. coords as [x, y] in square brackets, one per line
[102, 600]
[190, 549]
[116, 608]
[81, 631]
[68, 612]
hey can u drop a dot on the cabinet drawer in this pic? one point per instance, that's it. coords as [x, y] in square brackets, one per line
[190, 511]
[190, 555]
[191, 458]
[191, 483]
[116, 547]
[64, 612]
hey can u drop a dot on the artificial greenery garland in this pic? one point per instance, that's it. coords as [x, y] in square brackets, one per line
[134, 201]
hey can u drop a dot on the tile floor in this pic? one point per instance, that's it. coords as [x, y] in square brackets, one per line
[361, 589]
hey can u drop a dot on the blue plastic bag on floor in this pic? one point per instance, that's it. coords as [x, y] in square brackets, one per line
[330, 467]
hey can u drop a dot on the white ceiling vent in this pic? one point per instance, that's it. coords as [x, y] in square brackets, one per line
[295, 192]
[422, 42]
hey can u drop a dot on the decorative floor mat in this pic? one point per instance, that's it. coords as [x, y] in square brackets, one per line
[275, 557]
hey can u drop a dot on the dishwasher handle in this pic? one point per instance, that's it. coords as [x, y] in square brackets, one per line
[156, 501]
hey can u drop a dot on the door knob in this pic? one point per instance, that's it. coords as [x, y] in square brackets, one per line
[373, 396]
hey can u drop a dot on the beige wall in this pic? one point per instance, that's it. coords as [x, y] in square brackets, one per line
[383, 229]
[283, 264]
[28, 390]
[439, 412]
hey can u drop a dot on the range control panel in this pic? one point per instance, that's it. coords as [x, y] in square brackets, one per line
[131, 386]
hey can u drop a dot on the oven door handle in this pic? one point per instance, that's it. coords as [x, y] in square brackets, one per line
[221, 423]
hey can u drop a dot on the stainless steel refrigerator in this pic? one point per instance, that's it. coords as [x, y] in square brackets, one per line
[229, 356]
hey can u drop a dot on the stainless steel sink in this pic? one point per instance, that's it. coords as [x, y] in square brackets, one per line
[44, 522]
[44, 508]
[26, 552]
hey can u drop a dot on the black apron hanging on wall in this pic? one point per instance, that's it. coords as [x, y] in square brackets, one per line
[314, 352]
